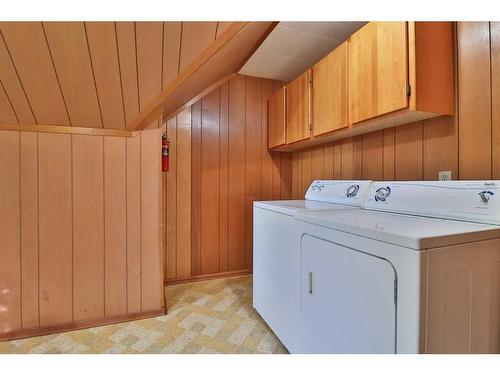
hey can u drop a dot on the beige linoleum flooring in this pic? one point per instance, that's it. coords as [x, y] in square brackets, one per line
[213, 316]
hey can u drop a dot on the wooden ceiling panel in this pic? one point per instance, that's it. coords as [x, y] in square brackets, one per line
[70, 52]
[7, 115]
[149, 60]
[221, 27]
[127, 56]
[104, 56]
[12, 86]
[172, 32]
[196, 37]
[28, 49]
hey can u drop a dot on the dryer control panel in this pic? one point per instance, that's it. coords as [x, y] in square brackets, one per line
[475, 201]
[351, 192]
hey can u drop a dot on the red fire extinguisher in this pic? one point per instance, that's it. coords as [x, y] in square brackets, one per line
[165, 145]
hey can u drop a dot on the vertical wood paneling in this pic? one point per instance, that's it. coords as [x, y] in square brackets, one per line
[36, 72]
[440, 142]
[372, 151]
[183, 189]
[196, 37]
[223, 176]
[347, 163]
[337, 160]
[55, 229]
[104, 56]
[68, 47]
[408, 152]
[10, 265]
[328, 161]
[127, 56]
[317, 158]
[7, 114]
[196, 188]
[357, 159]
[88, 234]
[151, 259]
[115, 225]
[236, 211]
[210, 183]
[495, 97]
[286, 176]
[474, 109]
[253, 160]
[171, 229]
[388, 155]
[171, 50]
[266, 157]
[12, 85]
[29, 228]
[134, 225]
[306, 164]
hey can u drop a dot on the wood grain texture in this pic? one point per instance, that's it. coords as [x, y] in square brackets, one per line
[7, 114]
[88, 227]
[55, 229]
[378, 70]
[329, 92]
[10, 216]
[115, 226]
[298, 109]
[276, 129]
[440, 142]
[196, 37]
[172, 32]
[183, 195]
[474, 100]
[171, 228]
[29, 228]
[196, 188]
[67, 42]
[224, 175]
[103, 48]
[266, 157]
[10, 81]
[151, 256]
[209, 230]
[134, 225]
[495, 98]
[33, 63]
[372, 151]
[236, 213]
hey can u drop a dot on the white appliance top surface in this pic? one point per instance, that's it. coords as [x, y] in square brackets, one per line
[293, 206]
[474, 201]
[404, 230]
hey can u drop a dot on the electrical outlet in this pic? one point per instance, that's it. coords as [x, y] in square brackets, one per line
[444, 175]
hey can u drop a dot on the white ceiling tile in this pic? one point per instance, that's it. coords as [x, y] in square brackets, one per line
[312, 48]
[280, 41]
[333, 30]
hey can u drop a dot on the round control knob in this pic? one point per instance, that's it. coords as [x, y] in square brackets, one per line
[485, 196]
[382, 193]
[352, 191]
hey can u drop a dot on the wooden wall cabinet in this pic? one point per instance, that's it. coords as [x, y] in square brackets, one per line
[298, 93]
[386, 74]
[329, 92]
[277, 117]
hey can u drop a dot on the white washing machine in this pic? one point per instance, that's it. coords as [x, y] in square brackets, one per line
[276, 255]
[416, 271]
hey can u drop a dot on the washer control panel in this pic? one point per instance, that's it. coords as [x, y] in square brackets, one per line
[475, 201]
[338, 191]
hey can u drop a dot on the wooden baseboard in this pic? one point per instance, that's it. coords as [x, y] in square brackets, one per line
[42, 331]
[210, 276]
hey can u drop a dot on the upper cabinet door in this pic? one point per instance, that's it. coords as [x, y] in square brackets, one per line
[329, 92]
[297, 108]
[276, 116]
[378, 70]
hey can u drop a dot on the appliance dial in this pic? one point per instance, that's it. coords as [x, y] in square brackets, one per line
[382, 193]
[352, 191]
[486, 195]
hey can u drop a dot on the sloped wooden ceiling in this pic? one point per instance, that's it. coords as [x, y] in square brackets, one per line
[92, 74]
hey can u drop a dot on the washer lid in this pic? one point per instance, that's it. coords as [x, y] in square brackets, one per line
[351, 192]
[475, 201]
[404, 230]
[293, 206]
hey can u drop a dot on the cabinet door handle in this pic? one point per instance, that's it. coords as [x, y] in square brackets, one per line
[311, 290]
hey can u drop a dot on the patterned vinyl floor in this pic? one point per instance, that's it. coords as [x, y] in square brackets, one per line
[213, 316]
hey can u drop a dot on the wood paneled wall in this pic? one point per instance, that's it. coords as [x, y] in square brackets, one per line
[80, 231]
[92, 74]
[219, 165]
[467, 144]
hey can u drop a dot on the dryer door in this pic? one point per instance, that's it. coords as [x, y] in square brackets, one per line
[348, 300]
